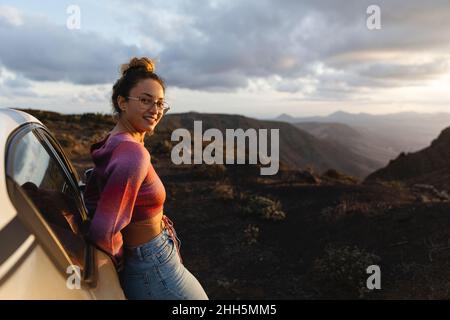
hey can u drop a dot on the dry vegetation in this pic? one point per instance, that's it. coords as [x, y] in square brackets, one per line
[297, 235]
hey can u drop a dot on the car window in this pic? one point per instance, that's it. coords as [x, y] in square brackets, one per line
[36, 169]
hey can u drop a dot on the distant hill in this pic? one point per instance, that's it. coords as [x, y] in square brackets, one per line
[398, 132]
[298, 148]
[429, 166]
[359, 141]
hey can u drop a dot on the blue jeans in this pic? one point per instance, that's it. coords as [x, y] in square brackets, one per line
[154, 270]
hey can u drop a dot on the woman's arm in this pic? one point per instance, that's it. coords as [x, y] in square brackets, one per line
[125, 173]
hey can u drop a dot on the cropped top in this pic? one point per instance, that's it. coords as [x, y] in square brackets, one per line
[123, 188]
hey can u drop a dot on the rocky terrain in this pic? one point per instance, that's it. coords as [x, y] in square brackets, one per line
[304, 233]
[430, 166]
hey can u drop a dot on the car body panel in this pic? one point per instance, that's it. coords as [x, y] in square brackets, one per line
[26, 269]
[37, 278]
[107, 275]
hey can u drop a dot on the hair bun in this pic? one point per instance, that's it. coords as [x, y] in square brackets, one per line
[138, 63]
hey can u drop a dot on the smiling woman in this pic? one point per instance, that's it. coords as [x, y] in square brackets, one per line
[134, 96]
[126, 196]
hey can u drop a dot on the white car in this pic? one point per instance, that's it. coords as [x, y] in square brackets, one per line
[43, 253]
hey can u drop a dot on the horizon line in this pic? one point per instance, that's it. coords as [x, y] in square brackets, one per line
[254, 116]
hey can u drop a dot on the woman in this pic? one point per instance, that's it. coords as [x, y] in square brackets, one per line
[127, 196]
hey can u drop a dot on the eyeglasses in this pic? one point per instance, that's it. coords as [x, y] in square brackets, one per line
[161, 105]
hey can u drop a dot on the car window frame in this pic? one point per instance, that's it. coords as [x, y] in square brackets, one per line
[67, 167]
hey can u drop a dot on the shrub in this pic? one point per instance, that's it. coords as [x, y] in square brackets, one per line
[395, 184]
[336, 176]
[66, 140]
[251, 234]
[263, 207]
[347, 208]
[342, 270]
[224, 191]
[96, 118]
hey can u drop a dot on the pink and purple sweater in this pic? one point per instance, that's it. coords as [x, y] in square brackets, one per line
[130, 190]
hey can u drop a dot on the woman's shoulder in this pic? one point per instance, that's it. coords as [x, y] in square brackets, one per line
[129, 150]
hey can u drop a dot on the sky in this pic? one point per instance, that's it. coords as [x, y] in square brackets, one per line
[258, 58]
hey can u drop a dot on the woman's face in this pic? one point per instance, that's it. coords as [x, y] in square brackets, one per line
[142, 117]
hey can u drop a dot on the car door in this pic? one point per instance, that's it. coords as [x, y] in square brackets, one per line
[44, 190]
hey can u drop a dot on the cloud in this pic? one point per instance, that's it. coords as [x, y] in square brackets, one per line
[220, 45]
[42, 51]
[13, 86]
[10, 16]
[406, 72]
[97, 95]
[314, 48]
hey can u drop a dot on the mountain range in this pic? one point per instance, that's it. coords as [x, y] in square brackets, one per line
[380, 138]
[298, 148]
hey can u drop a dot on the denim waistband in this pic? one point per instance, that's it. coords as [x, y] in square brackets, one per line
[156, 243]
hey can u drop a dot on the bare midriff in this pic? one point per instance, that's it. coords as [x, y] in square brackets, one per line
[139, 232]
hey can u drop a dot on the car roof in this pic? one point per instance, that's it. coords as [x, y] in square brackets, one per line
[13, 117]
[10, 119]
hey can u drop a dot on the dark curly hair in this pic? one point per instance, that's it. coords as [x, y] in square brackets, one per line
[132, 72]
